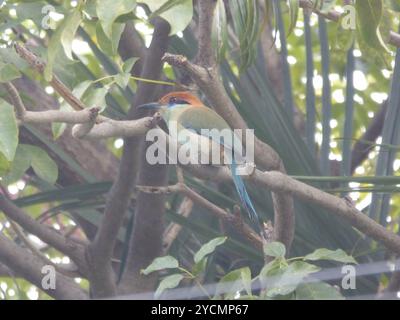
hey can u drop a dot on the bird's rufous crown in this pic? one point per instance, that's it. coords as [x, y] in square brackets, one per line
[181, 95]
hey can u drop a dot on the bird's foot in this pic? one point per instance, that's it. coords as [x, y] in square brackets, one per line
[155, 120]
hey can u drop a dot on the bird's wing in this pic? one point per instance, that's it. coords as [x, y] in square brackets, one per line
[198, 118]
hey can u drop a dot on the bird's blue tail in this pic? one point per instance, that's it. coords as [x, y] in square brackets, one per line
[245, 198]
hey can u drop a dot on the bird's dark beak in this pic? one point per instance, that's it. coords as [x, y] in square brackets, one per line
[150, 106]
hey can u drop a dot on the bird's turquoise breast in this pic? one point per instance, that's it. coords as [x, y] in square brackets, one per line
[172, 113]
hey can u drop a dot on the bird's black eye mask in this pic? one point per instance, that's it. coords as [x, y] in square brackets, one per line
[174, 100]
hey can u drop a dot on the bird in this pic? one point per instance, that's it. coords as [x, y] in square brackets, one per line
[193, 119]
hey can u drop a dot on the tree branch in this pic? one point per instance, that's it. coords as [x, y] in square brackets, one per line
[49, 116]
[87, 117]
[70, 269]
[206, 54]
[28, 266]
[280, 183]
[114, 128]
[56, 83]
[100, 251]
[146, 240]
[67, 246]
[89, 160]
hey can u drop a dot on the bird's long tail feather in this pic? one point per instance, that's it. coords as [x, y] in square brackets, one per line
[245, 198]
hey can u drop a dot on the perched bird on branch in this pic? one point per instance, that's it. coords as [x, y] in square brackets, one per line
[206, 133]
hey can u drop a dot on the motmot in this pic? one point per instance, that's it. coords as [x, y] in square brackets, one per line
[189, 115]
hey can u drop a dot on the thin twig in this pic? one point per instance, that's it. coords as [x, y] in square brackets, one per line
[58, 86]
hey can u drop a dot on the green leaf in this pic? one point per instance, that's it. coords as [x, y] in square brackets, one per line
[395, 5]
[169, 282]
[81, 88]
[8, 130]
[199, 267]
[8, 72]
[21, 163]
[246, 279]
[96, 98]
[344, 38]
[294, 13]
[109, 45]
[317, 291]
[109, 10]
[4, 167]
[32, 11]
[369, 18]
[129, 63]
[43, 166]
[31, 156]
[62, 37]
[178, 13]
[286, 280]
[90, 8]
[271, 267]
[208, 248]
[166, 262]
[272, 270]
[326, 254]
[122, 79]
[385, 27]
[245, 18]
[68, 34]
[274, 249]
[8, 55]
[58, 128]
[234, 281]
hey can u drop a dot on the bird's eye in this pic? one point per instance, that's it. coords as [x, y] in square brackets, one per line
[175, 100]
[172, 100]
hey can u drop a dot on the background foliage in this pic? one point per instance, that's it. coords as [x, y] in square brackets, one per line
[333, 84]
